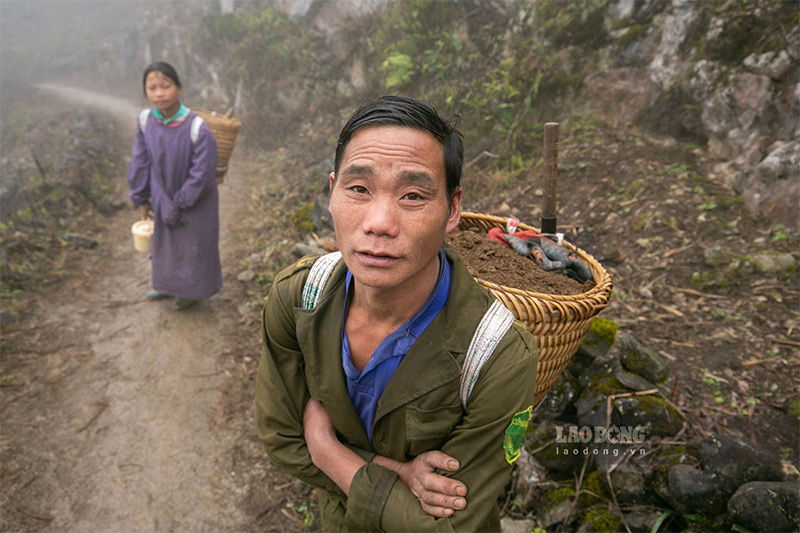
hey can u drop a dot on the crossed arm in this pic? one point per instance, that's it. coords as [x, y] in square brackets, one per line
[439, 496]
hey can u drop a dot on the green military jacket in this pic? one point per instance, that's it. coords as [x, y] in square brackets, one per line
[419, 411]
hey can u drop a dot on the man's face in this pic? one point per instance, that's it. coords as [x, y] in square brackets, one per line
[390, 206]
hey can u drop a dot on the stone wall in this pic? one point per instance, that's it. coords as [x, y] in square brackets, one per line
[690, 74]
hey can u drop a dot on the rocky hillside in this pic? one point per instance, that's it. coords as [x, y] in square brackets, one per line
[723, 76]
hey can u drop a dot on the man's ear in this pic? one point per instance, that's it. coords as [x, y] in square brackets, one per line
[331, 182]
[454, 218]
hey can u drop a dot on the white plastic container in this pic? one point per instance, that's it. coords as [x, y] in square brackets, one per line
[142, 233]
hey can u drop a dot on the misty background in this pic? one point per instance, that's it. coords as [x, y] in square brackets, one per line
[720, 75]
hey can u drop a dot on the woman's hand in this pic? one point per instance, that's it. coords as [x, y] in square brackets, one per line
[145, 211]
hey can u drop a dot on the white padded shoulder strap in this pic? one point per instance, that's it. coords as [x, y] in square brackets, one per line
[143, 118]
[195, 130]
[493, 326]
[318, 277]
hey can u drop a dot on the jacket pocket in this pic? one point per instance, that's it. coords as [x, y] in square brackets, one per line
[427, 429]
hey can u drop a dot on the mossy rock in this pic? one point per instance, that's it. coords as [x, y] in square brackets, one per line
[640, 359]
[634, 33]
[653, 413]
[599, 339]
[559, 400]
[793, 407]
[552, 498]
[599, 384]
[593, 490]
[674, 454]
[554, 506]
[600, 520]
[704, 524]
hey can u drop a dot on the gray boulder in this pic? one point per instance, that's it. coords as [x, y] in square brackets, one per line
[630, 484]
[559, 400]
[733, 461]
[767, 506]
[695, 490]
[80, 240]
[638, 358]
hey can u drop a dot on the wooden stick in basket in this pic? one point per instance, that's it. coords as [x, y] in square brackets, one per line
[550, 196]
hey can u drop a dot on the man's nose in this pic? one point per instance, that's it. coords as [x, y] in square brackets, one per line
[381, 217]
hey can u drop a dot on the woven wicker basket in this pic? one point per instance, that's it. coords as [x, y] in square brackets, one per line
[225, 130]
[558, 322]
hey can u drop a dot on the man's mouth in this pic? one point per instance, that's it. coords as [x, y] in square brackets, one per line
[375, 258]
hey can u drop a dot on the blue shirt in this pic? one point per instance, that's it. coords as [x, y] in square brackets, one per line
[367, 386]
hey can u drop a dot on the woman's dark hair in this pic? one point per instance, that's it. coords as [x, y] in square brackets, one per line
[411, 113]
[164, 68]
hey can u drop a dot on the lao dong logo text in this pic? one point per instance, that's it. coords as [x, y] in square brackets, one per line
[623, 435]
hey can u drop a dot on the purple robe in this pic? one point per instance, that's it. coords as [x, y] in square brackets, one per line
[177, 176]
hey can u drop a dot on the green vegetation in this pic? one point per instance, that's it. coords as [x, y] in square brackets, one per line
[302, 218]
[63, 188]
[305, 510]
[505, 83]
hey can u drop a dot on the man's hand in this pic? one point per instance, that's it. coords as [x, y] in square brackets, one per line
[438, 495]
[144, 209]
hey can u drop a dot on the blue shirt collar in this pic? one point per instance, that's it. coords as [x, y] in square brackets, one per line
[366, 386]
[404, 336]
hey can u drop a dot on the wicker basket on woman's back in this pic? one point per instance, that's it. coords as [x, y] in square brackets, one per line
[558, 322]
[224, 128]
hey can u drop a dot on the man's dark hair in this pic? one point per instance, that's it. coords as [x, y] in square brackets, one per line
[410, 113]
[164, 68]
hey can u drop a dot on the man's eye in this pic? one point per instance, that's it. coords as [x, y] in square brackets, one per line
[358, 189]
[413, 196]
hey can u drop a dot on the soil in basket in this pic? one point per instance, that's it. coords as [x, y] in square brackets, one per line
[496, 263]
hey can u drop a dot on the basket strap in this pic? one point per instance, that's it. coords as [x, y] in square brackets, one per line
[317, 278]
[195, 129]
[143, 118]
[494, 324]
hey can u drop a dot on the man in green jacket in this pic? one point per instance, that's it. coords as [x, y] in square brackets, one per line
[390, 380]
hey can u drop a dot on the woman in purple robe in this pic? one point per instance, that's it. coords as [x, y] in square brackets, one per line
[172, 172]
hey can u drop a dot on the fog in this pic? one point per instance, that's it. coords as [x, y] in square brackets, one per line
[89, 43]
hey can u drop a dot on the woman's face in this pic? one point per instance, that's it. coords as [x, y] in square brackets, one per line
[162, 93]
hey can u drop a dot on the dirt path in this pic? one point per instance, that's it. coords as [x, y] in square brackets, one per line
[125, 430]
